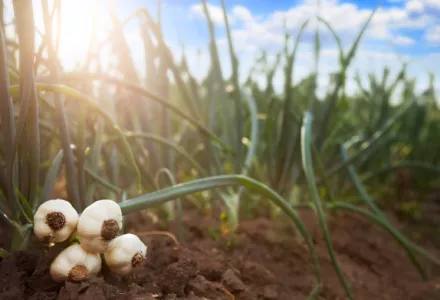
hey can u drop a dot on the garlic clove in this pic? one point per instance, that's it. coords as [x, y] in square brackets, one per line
[125, 253]
[54, 221]
[119, 256]
[99, 224]
[76, 264]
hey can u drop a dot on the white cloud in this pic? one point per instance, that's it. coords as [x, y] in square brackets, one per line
[432, 35]
[401, 40]
[419, 6]
[388, 19]
[215, 12]
[415, 6]
[433, 3]
[239, 14]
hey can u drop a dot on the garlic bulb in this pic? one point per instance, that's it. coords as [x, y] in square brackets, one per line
[76, 264]
[54, 221]
[98, 225]
[125, 253]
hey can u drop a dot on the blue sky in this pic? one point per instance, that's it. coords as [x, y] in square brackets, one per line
[401, 31]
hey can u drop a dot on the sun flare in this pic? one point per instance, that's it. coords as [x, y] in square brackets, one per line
[78, 20]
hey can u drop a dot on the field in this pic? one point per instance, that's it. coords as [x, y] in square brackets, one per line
[267, 261]
[237, 190]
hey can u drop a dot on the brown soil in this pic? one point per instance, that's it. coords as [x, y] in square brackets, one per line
[264, 261]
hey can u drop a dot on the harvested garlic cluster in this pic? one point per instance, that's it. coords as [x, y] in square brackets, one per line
[97, 230]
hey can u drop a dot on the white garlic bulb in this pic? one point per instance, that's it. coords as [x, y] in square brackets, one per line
[125, 253]
[98, 225]
[76, 264]
[54, 221]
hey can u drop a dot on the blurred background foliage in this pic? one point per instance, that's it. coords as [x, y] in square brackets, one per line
[195, 128]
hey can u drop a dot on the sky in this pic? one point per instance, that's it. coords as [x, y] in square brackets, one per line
[401, 31]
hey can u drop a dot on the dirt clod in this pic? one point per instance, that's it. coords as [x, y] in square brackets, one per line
[270, 292]
[177, 275]
[232, 282]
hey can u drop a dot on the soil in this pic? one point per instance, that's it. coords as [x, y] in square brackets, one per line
[264, 260]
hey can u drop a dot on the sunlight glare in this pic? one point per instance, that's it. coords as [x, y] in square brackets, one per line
[76, 30]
